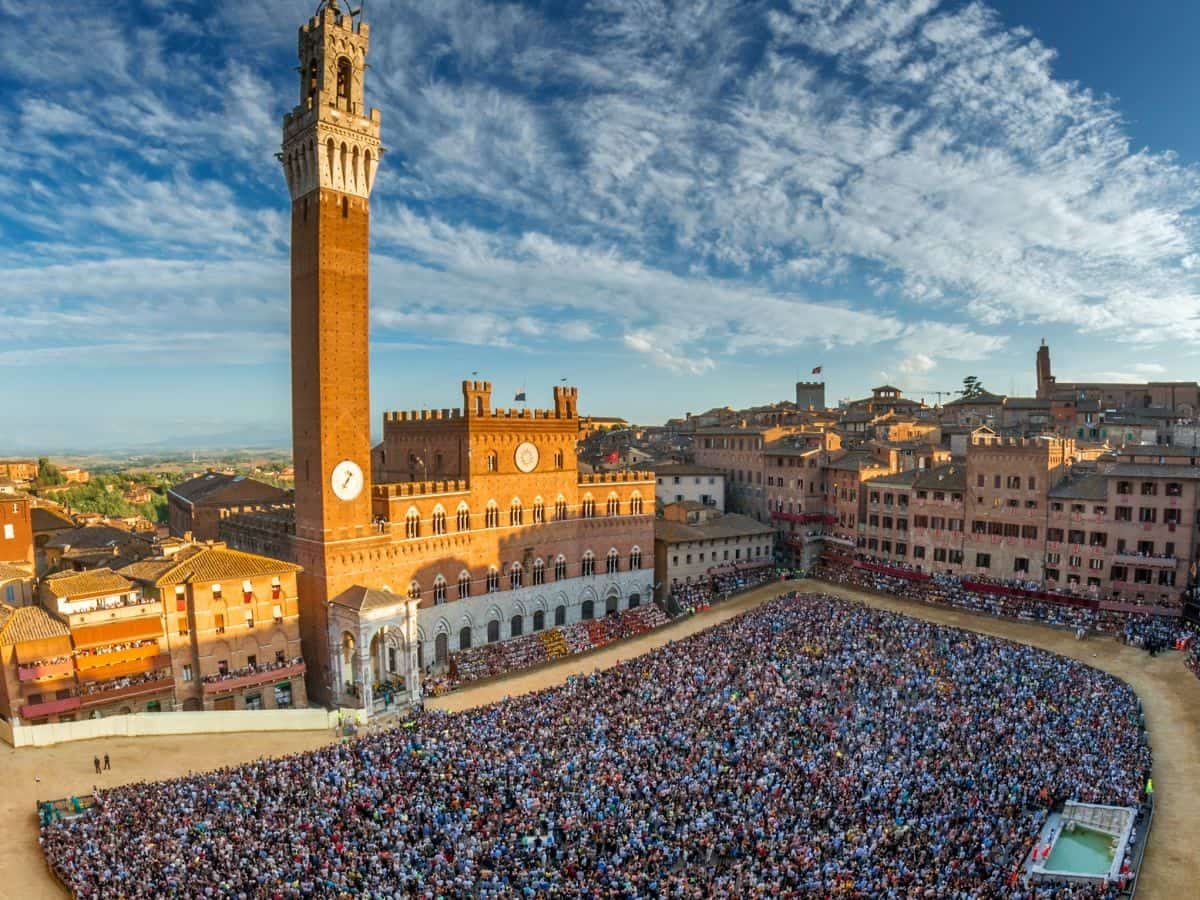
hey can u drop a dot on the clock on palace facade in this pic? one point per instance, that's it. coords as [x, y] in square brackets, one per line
[346, 480]
[526, 457]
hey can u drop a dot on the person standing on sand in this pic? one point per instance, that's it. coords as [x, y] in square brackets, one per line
[107, 765]
[96, 763]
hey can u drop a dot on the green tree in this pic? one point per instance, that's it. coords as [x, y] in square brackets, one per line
[972, 388]
[48, 472]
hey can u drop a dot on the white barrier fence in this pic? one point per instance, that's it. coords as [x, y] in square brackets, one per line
[167, 723]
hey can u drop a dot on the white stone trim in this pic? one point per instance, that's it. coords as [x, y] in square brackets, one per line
[571, 593]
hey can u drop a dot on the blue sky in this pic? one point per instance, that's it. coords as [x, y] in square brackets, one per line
[673, 205]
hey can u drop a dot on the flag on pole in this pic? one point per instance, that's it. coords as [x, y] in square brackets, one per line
[520, 398]
[817, 370]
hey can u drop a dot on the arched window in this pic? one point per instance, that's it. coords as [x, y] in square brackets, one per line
[343, 83]
[313, 74]
[439, 520]
[412, 524]
[439, 590]
[635, 504]
[613, 507]
[560, 568]
[539, 511]
[515, 575]
[464, 638]
[612, 562]
[493, 580]
[588, 566]
[493, 631]
[464, 585]
[560, 616]
[587, 509]
[464, 517]
[493, 461]
[539, 572]
[414, 590]
[441, 649]
[516, 627]
[516, 515]
[588, 610]
[560, 509]
[635, 558]
[539, 620]
[491, 517]
[558, 459]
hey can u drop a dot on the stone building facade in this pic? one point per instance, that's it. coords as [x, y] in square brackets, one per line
[232, 627]
[685, 482]
[206, 628]
[693, 542]
[16, 527]
[195, 507]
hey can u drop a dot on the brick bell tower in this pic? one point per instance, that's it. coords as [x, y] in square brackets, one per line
[330, 155]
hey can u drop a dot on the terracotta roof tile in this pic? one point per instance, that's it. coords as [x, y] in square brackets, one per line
[30, 623]
[221, 563]
[44, 518]
[91, 581]
[362, 599]
[8, 573]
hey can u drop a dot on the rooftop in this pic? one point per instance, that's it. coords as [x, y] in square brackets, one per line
[209, 562]
[718, 528]
[1143, 470]
[1080, 486]
[363, 598]
[47, 519]
[220, 487]
[91, 581]
[91, 537]
[672, 469]
[949, 477]
[983, 398]
[28, 623]
[896, 479]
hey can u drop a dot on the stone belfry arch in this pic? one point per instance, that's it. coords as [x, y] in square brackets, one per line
[330, 155]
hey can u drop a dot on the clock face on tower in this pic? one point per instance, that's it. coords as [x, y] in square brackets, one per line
[526, 457]
[346, 480]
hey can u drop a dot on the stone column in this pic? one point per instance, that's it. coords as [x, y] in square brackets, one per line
[412, 677]
[366, 673]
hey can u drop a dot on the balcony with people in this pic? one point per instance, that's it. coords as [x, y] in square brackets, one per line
[126, 687]
[51, 668]
[227, 680]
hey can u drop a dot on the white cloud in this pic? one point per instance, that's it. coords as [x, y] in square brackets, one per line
[917, 364]
[646, 178]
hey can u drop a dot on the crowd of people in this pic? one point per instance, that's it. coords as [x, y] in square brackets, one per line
[812, 747]
[500, 657]
[1020, 604]
[243, 671]
[1152, 633]
[689, 597]
[88, 688]
[114, 648]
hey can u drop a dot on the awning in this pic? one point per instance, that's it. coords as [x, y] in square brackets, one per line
[115, 632]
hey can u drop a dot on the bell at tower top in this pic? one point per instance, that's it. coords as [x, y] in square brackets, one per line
[331, 139]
